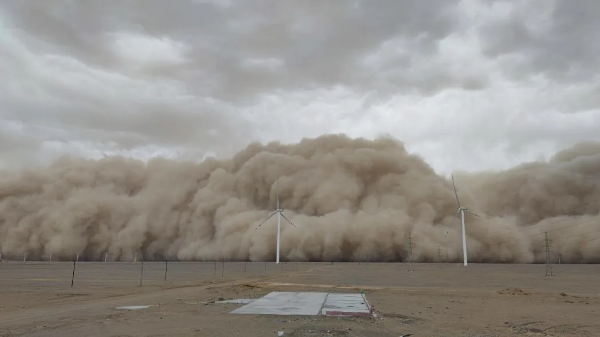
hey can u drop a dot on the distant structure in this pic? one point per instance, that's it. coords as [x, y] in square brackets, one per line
[549, 271]
[279, 212]
[462, 211]
[411, 245]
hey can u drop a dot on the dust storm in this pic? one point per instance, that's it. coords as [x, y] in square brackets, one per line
[350, 199]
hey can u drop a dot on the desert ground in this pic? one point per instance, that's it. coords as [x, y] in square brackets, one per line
[36, 299]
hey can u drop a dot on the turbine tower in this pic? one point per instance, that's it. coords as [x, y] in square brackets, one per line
[462, 211]
[279, 212]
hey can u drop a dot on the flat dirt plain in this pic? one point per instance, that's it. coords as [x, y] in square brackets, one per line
[36, 299]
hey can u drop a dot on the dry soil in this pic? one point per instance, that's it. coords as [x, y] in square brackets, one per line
[36, 299]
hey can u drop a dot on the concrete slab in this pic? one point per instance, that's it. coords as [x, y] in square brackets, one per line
[286, 303]
[346, 305]
[133, 307]
[238, 301]
[308, 303]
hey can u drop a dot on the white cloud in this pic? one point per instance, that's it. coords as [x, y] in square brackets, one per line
[139, 50]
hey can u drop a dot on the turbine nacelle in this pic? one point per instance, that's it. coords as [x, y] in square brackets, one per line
[279, 212]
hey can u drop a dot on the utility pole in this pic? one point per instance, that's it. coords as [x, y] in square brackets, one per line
[73, 277]
[142, 270]
[166, 268]
[411, 245]
[439, 257]
[549, 271]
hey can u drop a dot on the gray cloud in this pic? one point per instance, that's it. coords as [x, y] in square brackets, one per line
[555, 38]
[505, 82]
[317, 43]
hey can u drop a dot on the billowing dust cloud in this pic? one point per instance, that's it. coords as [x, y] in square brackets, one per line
[350, 199]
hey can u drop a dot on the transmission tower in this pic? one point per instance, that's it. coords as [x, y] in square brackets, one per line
[411, 245]
[549, 271]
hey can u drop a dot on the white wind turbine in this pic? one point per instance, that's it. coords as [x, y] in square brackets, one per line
[279, 212]
[462, 211]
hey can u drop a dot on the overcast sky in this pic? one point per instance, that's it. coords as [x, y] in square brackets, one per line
[469, 85]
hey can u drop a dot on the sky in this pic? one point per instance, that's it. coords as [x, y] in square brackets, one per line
[468, 85]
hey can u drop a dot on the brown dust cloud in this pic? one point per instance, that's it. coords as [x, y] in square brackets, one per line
[350, 199]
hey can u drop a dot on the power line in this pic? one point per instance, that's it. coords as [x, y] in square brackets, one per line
[581, 234]
[580, 242]
[562, 246]
[537, 226]
[549, 231]
[567, 244]
[549, 223]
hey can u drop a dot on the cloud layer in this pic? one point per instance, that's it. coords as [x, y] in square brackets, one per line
[493, 89]
[350, 199]
[470, 85]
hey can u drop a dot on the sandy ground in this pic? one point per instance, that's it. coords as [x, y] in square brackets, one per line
[36, 299]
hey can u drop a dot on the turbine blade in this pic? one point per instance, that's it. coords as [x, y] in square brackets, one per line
[455, 216]
[455, 193]
[453, 219]
[269, 217]
[277, 183]
[288, 220]
[467, 211]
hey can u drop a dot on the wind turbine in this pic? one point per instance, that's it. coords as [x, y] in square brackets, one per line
[462, 211]
[279, 212]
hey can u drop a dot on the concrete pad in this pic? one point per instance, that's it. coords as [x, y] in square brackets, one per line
[308, 303]
[133, 307]
[346, 305]
[286, 303]
[238, 301]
